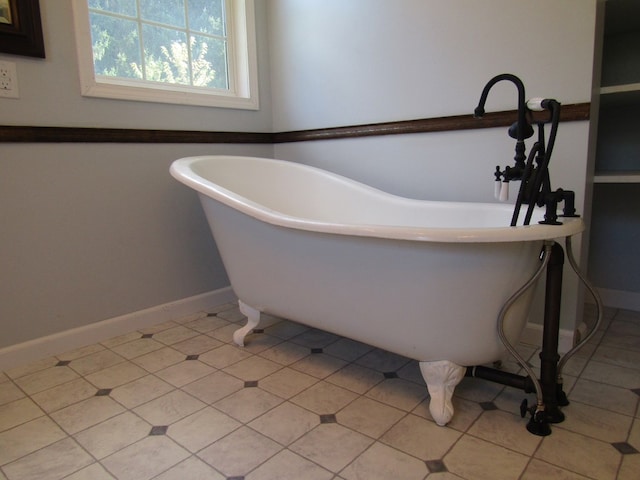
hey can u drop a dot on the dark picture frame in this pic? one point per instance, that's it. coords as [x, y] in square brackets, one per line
[21, 28]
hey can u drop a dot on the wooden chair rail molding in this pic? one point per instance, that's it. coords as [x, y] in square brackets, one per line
[35, 134]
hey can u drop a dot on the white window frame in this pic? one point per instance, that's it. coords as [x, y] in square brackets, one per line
[241, 57]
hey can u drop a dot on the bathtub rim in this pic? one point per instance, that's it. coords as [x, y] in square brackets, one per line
[181, 170]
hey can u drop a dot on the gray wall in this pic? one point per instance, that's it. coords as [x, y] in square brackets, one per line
[92, 231]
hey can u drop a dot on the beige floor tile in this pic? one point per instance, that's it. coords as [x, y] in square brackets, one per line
[259, 342]
[137, 347]
[507, 430]
[206, 324]
[369, 417]
[465, 413]
[191, 469]
[159, 359]
[331, 445]
[64, 395]
[347, 349]
[616, 399]
[185, 372]
[114, 434]
[382, 361]
[248, 403]
[285, 423]
[596, 422]
[18, 412]
[634, 435]
[50, 463]
[324, 398]
[618, 356]
[315, 338]
[94, 471]
[538, 470]
[398, 393]
[197, 345]
[33, 367]
[476, 459]
[356, 378]
[169, 408]
[214, 387]
[224, 356]
[478, 390]
[81, 352]
[140, 391]
[9, 392]
[421, 438]
[253, 368]
[202, 428]
[145, 459]
[45, 379]
[287, 382]
[232, 314]
[120, 339]
[174, 335]
[629, 468]
[160, 327]
[319, 365]
[96, 361]
[225, 334]
[285, 353]
[86, 413]
[580, 454]
[287, 465]
[239, 452]
[286, 329]
[116, 375]
[27, 438]
[381, 462]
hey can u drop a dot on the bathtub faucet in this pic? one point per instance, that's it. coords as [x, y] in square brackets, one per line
[535, 183]
[520, 130]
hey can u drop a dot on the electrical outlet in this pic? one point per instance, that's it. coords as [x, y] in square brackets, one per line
[8, 80]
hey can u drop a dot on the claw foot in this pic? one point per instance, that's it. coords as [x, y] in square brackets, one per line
[253, 318]
[441, 377]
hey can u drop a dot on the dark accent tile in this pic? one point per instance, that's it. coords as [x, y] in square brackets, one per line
[147, 335]
[103, 392]
[63, 363]
[488, 406]
[636, 391]
[317, 350]
[258, 330]
[192, 357]
[250, 383]
[624, 448]
[212, 314]
[328, 418]
[436, 466]
[390, 375]
[159, 430]
[241, 477]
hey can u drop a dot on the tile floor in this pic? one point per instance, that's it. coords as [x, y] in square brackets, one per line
[179, 401]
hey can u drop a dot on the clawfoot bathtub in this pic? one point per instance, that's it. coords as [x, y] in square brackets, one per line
[422, 279]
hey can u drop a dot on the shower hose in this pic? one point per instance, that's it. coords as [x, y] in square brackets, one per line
[563, 360]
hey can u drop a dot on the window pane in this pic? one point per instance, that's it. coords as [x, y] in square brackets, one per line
[207, 16]
[209, 60]
[122, 7]
[115, 46]
[169, 12]
[166, 55]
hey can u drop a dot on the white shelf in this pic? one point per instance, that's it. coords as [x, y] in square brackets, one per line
[613, 89]
[617, 177]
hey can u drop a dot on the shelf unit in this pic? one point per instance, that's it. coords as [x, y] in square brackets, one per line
[614, 256]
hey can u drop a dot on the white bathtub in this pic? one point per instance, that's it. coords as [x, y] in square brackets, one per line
[422, 279]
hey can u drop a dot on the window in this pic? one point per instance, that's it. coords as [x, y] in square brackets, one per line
[194, 52]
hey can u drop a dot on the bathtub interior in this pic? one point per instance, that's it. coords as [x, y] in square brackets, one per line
[310, 193]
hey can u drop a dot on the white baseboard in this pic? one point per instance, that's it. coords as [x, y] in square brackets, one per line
[57, 343]
[532, 335]
[619, 299]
